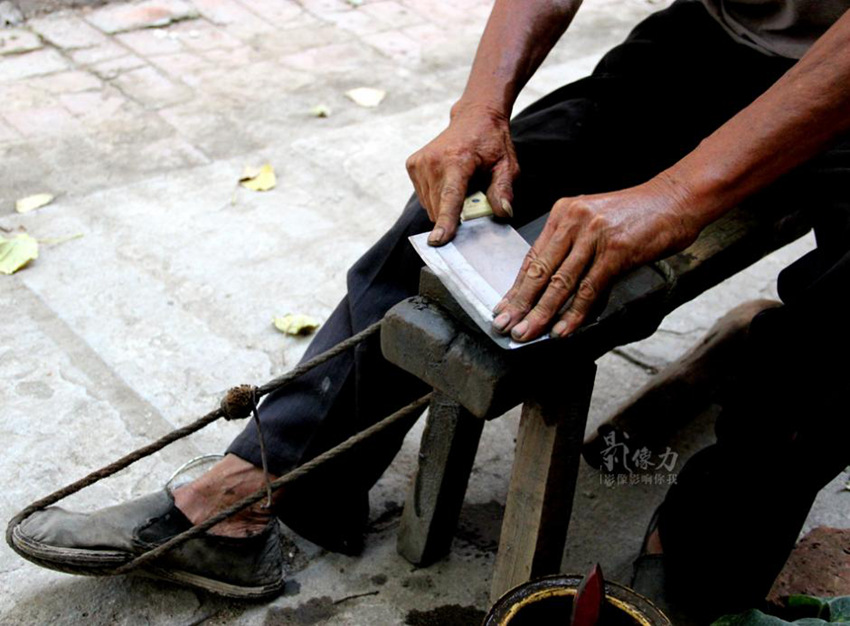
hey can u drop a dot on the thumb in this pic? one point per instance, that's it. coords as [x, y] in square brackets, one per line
[500, 194]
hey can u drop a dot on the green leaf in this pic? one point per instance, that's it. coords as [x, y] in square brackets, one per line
[839, 609]
[750, 618]
[835, 610]
[818, 607]
[17, 252]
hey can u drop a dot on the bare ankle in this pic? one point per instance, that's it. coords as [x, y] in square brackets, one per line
[653, 543]
[229, 481]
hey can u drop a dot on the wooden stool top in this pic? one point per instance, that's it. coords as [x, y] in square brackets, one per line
[431, 337]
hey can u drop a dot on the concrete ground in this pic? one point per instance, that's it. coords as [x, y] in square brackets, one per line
[138, 326]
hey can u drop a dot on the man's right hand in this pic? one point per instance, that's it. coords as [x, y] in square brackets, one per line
[477, 141]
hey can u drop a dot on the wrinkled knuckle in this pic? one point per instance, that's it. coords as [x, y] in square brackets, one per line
[561, 206]
[587, 290]
[538, 270]
[539, 315]
[530, 257]
[449, 192]
[459, 156]
[579, 209]
[431, 159]
[560, 283]
[618, 245]
[521, 307]
[599, 223]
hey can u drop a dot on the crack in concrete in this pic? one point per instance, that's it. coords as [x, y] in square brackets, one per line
[646, 367]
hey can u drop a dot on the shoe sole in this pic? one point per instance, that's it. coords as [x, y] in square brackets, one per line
[104, 563]
[69, 560]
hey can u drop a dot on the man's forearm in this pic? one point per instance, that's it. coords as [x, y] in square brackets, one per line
[518, 36]
[798, 117]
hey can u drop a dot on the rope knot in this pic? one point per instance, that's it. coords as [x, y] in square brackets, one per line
[238, 402]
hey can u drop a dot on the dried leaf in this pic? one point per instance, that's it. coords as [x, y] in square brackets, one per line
[295, 324]
[320, 110]
[17, 252]
[366, 96]
[259, 179]
[31, 203]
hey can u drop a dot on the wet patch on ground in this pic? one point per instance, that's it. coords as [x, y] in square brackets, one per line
[314, 611]
[446, 615]
[481, 524]
[418, 581]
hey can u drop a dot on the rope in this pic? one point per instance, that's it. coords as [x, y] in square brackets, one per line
[410, 412]
[113, 468]
[319, 359]
[262, 439]
[238, 403]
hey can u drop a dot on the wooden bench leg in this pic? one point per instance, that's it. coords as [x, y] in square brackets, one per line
[543, 480]
[449, 444]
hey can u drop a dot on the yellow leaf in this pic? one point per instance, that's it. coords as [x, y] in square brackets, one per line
[17, 252]
[295, 324]
[31, 203]
[320, 110]
[366, 96]
[259, 179]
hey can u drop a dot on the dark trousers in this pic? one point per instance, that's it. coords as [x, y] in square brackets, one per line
[650, 100]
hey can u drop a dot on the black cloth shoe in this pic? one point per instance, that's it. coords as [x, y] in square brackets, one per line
[95, 544]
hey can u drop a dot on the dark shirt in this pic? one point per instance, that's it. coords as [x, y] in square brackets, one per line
[784, 28]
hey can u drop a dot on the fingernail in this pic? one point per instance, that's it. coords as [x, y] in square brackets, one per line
[502, 321]
[520, 330]
[559, 329]
[507, 208]
[436, 235]
[498, 308]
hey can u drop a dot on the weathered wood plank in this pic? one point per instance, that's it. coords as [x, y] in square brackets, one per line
[543, 480]
[446, 455]
[423, 339]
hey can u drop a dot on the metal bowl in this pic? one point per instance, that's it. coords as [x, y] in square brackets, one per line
[549, 600]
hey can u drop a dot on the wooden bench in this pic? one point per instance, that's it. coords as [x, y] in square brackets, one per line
[432, 338]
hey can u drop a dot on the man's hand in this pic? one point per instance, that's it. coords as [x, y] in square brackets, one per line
[586, 243]
[477, 141]
[518, 36]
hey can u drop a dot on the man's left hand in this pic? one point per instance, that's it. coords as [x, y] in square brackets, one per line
[586, 243]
